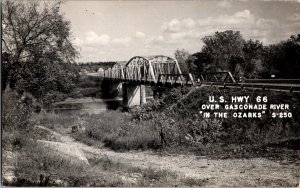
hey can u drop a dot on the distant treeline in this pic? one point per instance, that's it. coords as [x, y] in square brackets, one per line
[95, 66]
[229, 51]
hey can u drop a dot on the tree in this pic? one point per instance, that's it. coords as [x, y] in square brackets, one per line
[290, 65]
[223, 49]
[35, 30]
[182, 56]
[254, 54]
[201, 61]
[38, 41]
[282, 59]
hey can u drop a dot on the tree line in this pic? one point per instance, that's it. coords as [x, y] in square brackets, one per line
[95, 66]
[229, 51]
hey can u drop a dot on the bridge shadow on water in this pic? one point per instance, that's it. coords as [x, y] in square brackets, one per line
[114, 104]
[112, 99]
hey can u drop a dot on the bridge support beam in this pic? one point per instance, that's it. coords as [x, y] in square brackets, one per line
[133, 95]
[143, 94]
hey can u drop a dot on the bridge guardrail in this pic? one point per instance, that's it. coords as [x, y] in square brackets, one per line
[277, 81]
[262, 86]
[221, 76]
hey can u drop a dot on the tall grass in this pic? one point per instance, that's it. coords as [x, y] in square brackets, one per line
[56, 120]
[117, 131]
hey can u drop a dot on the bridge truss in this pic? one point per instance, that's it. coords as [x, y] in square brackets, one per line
[148, 69]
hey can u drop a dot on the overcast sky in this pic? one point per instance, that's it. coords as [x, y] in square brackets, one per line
[119, 30]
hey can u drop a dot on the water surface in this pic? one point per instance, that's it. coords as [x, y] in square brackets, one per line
[87, 105]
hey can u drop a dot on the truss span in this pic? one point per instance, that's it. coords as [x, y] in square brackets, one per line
[144, 68]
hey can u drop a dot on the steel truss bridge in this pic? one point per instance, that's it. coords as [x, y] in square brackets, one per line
[161, 70]
[150, 70]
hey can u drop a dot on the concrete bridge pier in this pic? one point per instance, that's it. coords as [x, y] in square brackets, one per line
[133, 95]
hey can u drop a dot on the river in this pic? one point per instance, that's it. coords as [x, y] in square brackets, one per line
[88, 105]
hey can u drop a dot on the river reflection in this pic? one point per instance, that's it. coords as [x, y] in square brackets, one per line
[87, 105]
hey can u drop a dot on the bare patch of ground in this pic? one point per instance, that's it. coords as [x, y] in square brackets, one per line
[191, 169]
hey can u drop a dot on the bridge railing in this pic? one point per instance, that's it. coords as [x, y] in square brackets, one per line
[275, 81]
[222, 76]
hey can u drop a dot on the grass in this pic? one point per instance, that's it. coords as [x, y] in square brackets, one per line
[56, 171]
[46, 168]
[143, 176]
[193, 182]
[117, 132]
[112, 129]
[53, 120]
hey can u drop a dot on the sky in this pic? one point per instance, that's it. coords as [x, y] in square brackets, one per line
[119, 30]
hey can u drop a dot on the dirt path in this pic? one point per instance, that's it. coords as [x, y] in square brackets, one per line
[223, 172]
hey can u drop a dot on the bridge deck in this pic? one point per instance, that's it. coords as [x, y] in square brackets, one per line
[262, 84]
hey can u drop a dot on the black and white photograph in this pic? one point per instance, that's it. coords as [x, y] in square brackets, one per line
[170, 93]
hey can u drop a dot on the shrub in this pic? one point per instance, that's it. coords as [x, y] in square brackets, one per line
[238, 130]
[53, 96]
[136, 136]
[16, 110]
[118, 132]
[56, 121]
[183, 125]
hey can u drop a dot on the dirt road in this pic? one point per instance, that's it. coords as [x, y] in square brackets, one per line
[217, 172]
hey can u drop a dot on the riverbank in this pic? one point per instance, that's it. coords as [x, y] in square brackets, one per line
[99, 166]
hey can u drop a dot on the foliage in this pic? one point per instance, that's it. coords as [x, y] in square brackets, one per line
[223, 48]
[183, 125]
[118, 133]
[95, 66]
[200, 59]
[182, 57]
[43, 168]
[34, 31]
[138, 136]
[229, 51]
[282, 59]
[224, 51]
[37, 48]
[241, 130]
[16, 110]
[254, 54]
